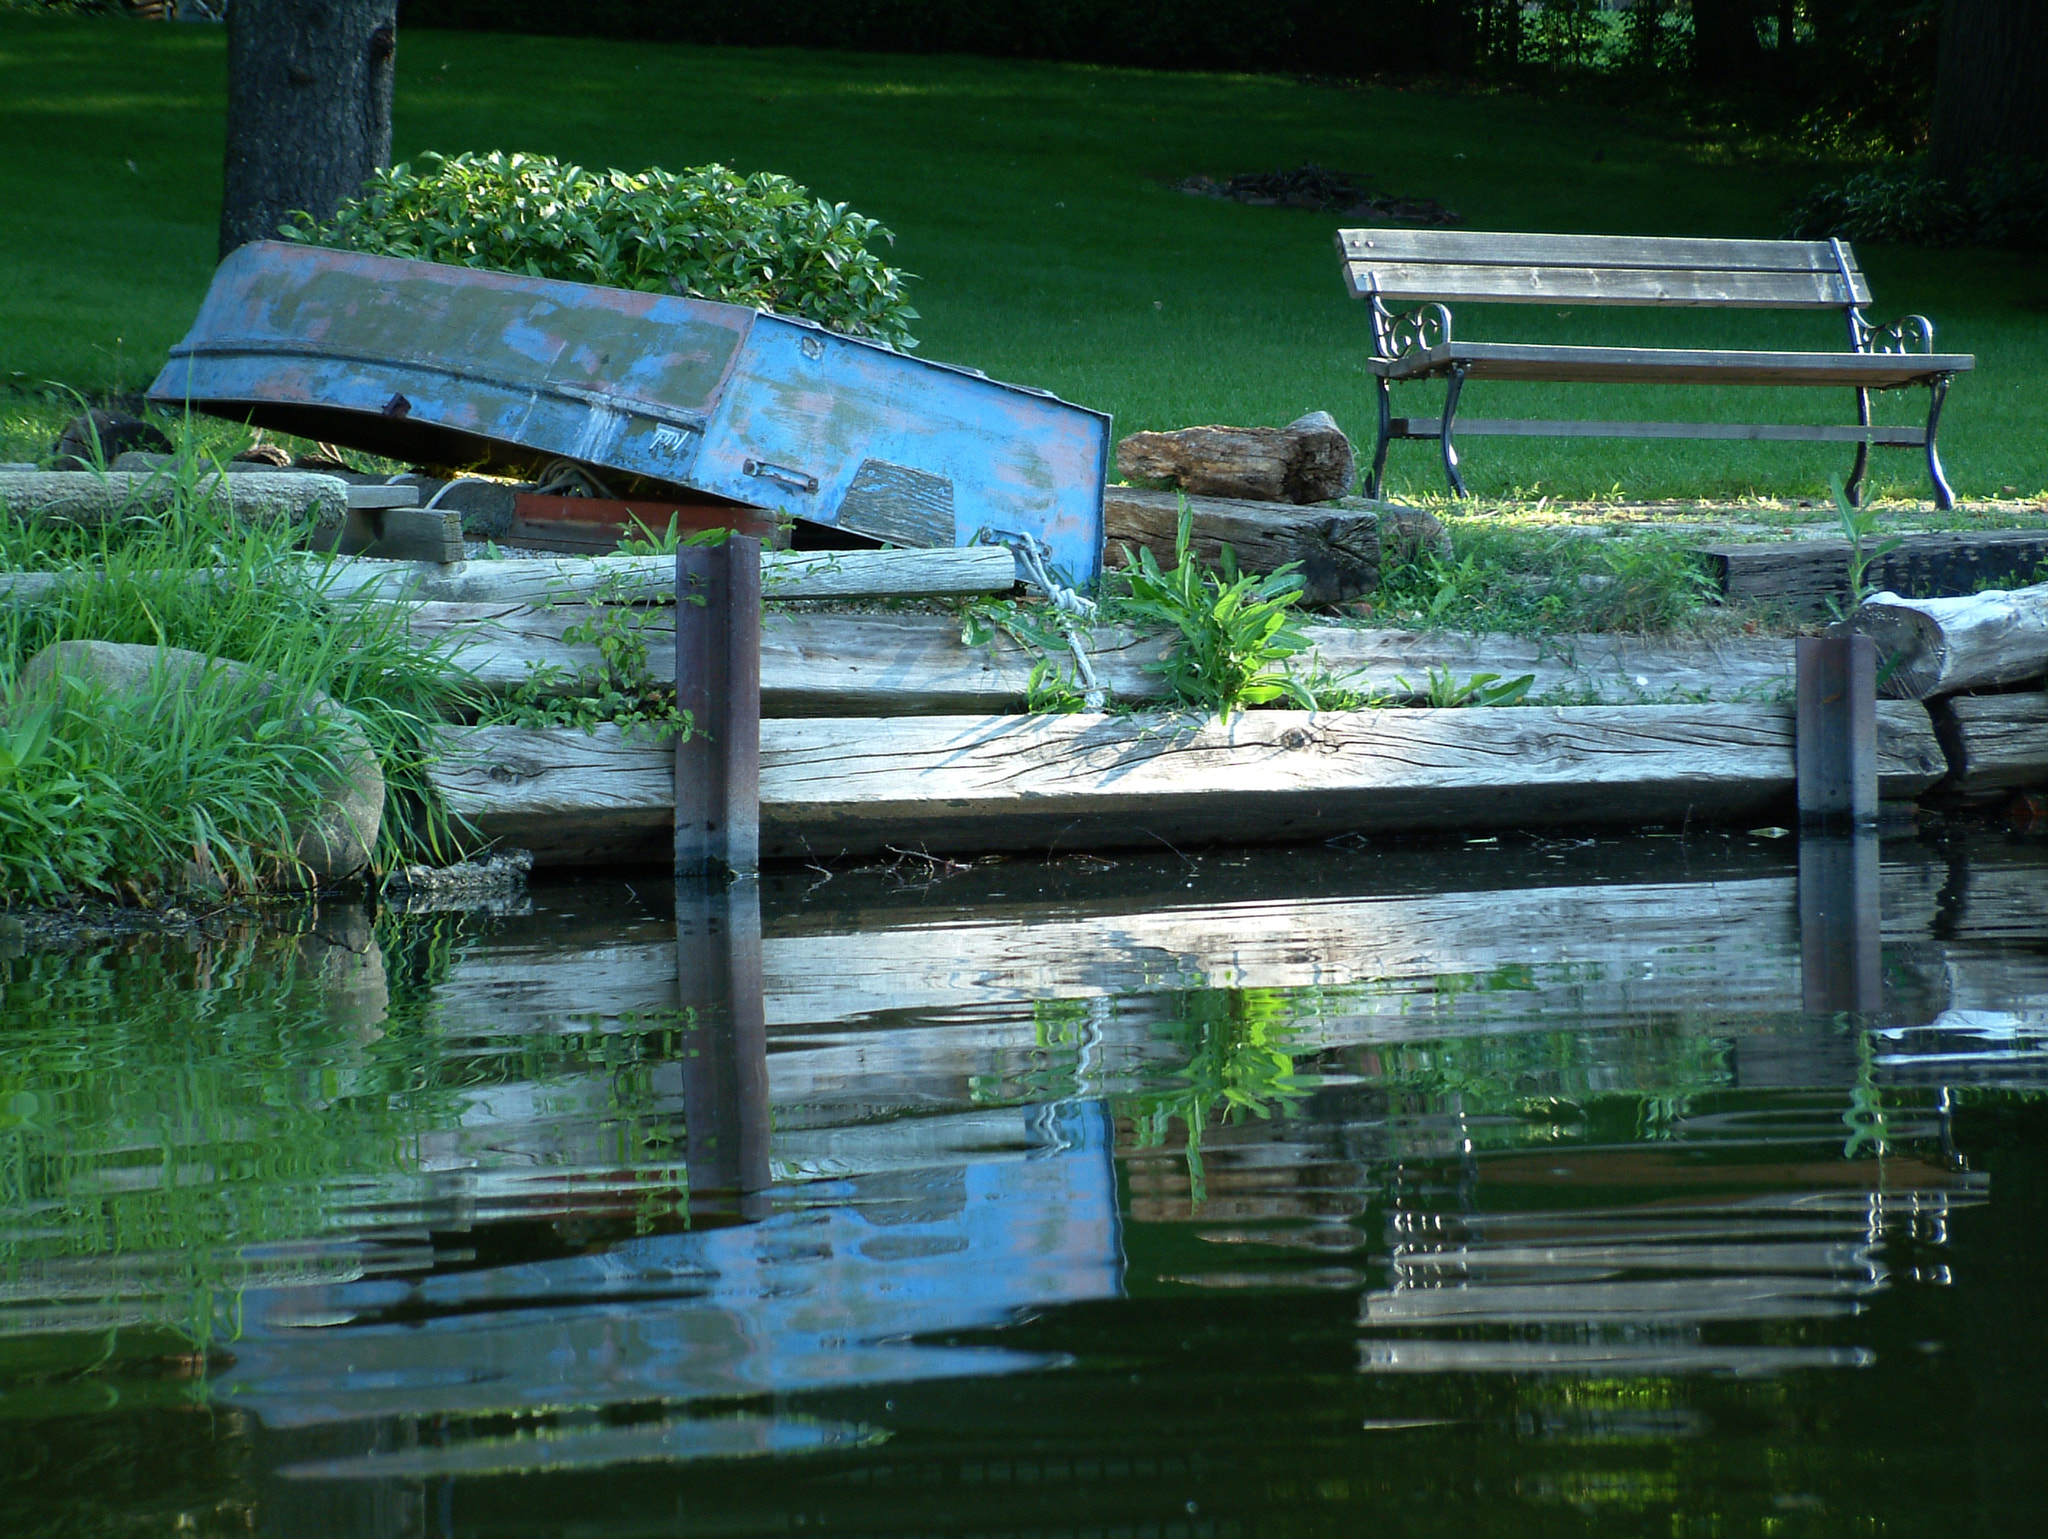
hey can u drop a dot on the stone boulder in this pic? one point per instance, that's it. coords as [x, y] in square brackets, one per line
[337, 839]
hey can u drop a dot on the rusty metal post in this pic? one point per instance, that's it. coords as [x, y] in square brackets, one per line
[724, 1051]
[1841, 952]
[718, 681]
[1836, 746]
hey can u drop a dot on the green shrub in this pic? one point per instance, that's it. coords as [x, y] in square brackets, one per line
[2002, 202]
[710, 233]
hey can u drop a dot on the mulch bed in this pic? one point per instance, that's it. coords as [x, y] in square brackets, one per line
[1311, 186]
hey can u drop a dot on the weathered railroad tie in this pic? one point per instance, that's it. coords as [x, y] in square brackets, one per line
[832, 787]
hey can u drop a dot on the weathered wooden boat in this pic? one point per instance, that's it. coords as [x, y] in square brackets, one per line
[453, 366]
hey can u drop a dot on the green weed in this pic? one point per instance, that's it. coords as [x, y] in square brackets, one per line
[1858, 525]
[1233, 632]
[1444, 690]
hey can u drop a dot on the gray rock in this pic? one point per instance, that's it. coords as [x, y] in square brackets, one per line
[337, 840]
[495, 885]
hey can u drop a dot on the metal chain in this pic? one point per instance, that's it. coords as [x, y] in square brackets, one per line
[1030, 554]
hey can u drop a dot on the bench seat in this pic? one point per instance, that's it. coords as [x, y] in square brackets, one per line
[1670, 366]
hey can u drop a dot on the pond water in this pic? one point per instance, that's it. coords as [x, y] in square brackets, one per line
[1632, 1186]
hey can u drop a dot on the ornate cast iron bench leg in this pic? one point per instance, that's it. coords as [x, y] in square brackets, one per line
[1450, 450]
[1937, 392]
[1375, 481]
[1854, 489]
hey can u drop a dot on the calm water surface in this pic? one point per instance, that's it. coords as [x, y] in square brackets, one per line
[1631, 1187]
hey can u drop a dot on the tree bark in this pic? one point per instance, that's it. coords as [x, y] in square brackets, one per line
[309, 108]
[1988, 96]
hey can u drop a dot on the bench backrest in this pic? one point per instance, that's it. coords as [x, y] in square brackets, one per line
[1413, 266]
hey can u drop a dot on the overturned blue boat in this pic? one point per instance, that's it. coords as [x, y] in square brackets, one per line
[457, 367]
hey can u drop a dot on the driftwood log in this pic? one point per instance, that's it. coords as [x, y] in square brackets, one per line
[1929, 647]
[1994, 742]
[1338, 549]
[1309, 460]
[836, 786]
[816, 664]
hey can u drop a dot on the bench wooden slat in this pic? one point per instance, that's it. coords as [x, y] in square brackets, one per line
[1685, 253]
[1408, 283]
[1672, 366]
[1530, 427]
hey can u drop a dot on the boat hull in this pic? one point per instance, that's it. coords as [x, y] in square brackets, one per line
[454, 366]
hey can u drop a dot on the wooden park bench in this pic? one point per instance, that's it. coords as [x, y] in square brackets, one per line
[1429, 270]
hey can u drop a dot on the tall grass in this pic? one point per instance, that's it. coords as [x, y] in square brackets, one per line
[183, 785]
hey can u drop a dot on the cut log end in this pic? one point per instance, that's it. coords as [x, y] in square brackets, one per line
[1309, 460]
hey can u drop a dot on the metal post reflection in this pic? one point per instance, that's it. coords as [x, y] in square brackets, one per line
[724, 1051]
[1841, 962]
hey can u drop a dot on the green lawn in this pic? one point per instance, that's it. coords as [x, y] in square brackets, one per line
[1029, 197]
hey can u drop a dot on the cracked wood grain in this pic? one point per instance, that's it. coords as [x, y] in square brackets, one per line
[852, 786]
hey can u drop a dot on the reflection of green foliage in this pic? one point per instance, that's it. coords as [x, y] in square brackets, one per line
[1238, 1066]
[1559, 1077]
[180, 1122]
[1865, 1119]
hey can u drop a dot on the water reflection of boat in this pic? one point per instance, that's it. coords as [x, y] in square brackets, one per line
[1018, 1210]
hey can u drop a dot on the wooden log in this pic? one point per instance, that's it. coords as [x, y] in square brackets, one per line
[491, 589]
[89, 500]
[1929, 647]
[393, 531]
[1994, 742]
[909, 664]
[785, 575]
[1804, 575]
[1338, 550]
[1309, 460]
[832, 786]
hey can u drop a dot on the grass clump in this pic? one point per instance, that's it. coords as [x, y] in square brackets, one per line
[177, 788]
[1529, 583]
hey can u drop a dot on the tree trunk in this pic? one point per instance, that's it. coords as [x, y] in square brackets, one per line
[1988, 96]
[309, 108]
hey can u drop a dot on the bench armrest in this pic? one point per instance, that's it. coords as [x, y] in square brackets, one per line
[1412, 331]
[1914, 334]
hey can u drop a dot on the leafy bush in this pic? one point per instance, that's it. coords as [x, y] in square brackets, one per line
[711, 233]
[2003, 202]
